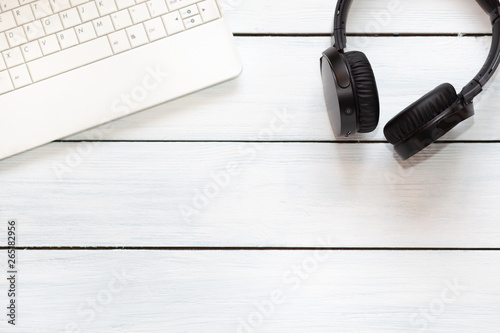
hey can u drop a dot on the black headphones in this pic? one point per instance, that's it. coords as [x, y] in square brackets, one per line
[352, 97]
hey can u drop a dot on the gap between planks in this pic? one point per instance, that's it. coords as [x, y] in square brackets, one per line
[219, 248]
[474, 35]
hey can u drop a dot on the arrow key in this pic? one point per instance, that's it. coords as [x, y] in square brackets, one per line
[173, 22]
[209, 10]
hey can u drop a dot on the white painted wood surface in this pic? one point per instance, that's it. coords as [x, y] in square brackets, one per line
[299, 189]
[367, 16]
[282, 73]
[281, 194]
[248, 291]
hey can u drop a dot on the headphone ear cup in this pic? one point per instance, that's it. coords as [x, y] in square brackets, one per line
[417, 115]
[365, 87]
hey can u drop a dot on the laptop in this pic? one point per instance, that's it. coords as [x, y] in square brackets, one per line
[69, 65]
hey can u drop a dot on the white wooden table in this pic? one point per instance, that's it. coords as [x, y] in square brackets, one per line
[236, 210]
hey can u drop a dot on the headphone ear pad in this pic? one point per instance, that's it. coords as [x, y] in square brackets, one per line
[365, 89]
[417, 115]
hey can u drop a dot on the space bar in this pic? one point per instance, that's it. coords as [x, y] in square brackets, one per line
[69, 59]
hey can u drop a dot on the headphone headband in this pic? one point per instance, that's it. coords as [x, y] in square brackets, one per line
[473, 88]
[488, 5]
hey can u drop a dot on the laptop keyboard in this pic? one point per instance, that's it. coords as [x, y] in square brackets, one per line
[43, 38]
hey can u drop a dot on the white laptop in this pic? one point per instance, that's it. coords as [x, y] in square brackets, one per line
[68, 65]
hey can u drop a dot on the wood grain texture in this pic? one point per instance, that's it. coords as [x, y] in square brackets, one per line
[221, 291]
[246, 194]
[283, 74]
[366, 16]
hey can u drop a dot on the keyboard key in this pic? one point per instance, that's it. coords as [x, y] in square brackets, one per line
[41, 8]
[59, 5]
[189, 11]
[20, 76]
[34, 30]
[155, 29]
[119, 41]
[193, 22]
[5, 82]
[106, 7]
[24, 14]
[16, 36]
[209, 10]
[88, 11]
[121, 19]
[157, 7]
[75, 3]
[4, 45]
[49, 44]
[139, 13]
[178, 4]
[70, 18]
[8, 4]
[43, 38]
[74, 57]
[13, 57]
[67, 38]
[137, 35]
[7, 21]
[124, 3]
[85, 32]
[103, 25]
[31, 50]
[173, 22]
[52, 24]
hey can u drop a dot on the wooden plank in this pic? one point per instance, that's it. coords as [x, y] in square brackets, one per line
[366, 16]
[253, 194]
[271, 291]
[282, 75]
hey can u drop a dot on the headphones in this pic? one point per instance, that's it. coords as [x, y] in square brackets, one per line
[352, 100]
